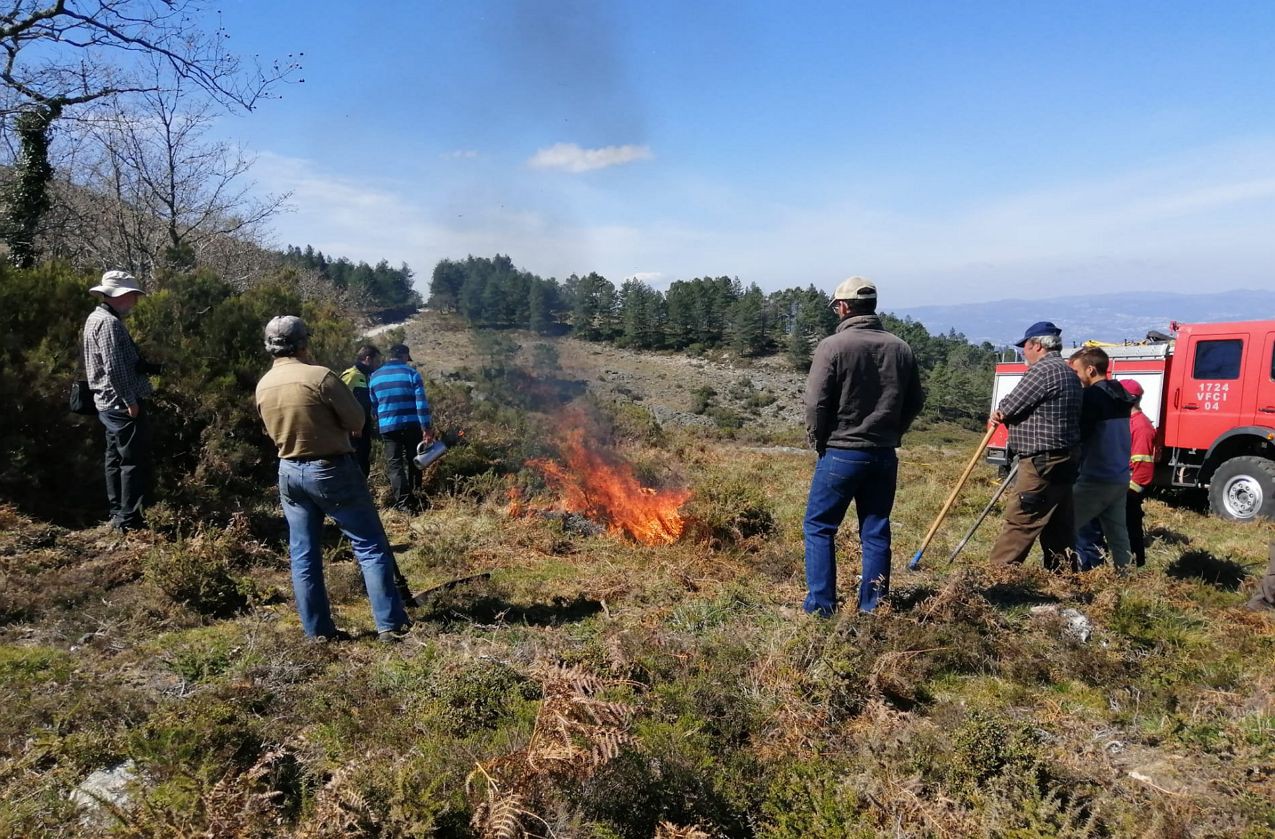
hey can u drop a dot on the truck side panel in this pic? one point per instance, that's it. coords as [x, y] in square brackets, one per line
[1265, 377]
[1208, 388]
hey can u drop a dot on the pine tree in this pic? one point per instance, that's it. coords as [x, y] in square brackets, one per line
[748, 323]
[445, 285]
[540, 305]
[681, 330]
[635, 329]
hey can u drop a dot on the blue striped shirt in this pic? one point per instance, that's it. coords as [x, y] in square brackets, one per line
[398, 397]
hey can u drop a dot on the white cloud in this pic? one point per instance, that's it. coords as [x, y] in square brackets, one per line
[460, 154]
[571, 158]
[1175, 224]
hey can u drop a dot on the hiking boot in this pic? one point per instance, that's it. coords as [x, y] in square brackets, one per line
[120, 528]
[333, 637]
[393, 636]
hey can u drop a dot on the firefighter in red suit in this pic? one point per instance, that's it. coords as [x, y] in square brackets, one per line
[1142, 470]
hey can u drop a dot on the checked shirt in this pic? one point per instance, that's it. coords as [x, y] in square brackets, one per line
[1043, 410]
[110, 362]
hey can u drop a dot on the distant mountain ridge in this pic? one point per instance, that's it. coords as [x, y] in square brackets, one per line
[1103, 317]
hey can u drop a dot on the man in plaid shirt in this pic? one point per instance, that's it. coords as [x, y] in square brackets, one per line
[117, 376]
[1043, 415]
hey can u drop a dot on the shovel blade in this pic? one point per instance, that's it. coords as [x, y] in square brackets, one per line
[915, 562]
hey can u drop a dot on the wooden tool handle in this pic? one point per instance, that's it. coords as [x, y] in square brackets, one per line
[951, 498]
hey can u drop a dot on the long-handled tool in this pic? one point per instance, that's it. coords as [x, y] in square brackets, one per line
[956, 490]
[996, 496]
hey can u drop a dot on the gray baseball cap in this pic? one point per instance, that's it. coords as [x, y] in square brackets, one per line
[286, 333]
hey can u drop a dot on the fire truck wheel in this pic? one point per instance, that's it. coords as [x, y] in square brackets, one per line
[1243, 488]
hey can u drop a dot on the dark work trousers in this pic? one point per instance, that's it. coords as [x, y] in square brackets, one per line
[363, 451]
[400, 451]
[1133, 522]
[1040, 507]
[128, 466]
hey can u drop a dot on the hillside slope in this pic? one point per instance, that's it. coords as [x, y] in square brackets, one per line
[564, 680]
[663, 383]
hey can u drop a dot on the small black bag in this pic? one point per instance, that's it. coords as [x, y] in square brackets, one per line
[81, 398]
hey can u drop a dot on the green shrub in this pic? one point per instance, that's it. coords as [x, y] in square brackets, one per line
[989, 745]
[32, 665]
[208, 337]
[731, 509]
[701, 399]
[812, 798]
[46, 452]
[202, 654]
[476, 694]
[204, 572]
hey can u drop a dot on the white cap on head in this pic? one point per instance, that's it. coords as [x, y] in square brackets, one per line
[856, 288]
[117, 284]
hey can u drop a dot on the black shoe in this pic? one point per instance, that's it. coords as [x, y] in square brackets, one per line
[333, 637]
[393, 636]
[123, 527]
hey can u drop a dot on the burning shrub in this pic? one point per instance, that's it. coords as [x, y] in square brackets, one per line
[598, 483]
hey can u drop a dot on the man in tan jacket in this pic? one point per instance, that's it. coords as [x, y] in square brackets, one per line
[310, 414]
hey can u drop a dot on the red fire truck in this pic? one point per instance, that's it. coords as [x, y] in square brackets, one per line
[1209, 390]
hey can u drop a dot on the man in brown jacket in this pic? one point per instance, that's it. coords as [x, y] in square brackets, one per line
[863, 392]
[310, 414]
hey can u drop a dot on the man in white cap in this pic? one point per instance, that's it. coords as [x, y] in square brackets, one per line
[117, 374]
[863, 392]
[310, 415]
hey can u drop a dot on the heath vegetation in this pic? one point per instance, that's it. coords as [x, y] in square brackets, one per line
[565, 678]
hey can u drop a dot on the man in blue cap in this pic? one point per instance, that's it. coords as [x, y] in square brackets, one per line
[1043, 415]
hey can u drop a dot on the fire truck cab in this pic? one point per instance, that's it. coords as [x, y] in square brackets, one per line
[1209, 390]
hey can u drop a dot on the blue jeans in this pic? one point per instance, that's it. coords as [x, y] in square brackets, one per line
[867, 477]
[1089, 546]
[336, 487]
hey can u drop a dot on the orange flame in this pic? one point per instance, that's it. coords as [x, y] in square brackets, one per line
[607, 491]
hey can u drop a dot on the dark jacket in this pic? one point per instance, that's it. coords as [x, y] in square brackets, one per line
[1104, 433]
[355, 379]
[864, 388]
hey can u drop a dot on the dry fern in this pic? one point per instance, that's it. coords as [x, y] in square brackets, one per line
[235, 809]
[575, 733]
[668, 830]
[340, 810]
[498, 816]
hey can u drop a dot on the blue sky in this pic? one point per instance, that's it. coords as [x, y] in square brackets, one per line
[951, 151]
